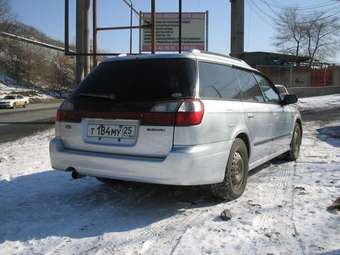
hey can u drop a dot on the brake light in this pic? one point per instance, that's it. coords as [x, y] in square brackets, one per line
[190, 113]
[162, 114]
[65, 113]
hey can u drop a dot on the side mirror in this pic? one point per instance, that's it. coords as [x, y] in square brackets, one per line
[289, 99]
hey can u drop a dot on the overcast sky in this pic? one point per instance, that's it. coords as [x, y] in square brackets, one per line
[48, 16]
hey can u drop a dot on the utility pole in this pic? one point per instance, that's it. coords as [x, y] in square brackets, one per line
[237, 28]
[94, 33]
[82, 39]
[153, 27]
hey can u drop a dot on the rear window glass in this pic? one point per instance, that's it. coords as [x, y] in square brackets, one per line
[142, 80]
[218, 81]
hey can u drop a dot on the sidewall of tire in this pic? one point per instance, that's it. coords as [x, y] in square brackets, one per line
[224, 190]
[291, 154]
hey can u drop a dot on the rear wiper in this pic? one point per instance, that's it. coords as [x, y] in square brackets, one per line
[111, 96]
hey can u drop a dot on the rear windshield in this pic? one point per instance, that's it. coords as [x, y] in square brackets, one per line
[141, 80]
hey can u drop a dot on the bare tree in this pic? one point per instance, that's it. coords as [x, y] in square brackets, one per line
[62, 76]
[314, 35]
[321, 36]
[5, 15]
[290, 32]
[4, 9]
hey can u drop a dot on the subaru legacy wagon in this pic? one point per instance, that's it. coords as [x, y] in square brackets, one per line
[179, 119]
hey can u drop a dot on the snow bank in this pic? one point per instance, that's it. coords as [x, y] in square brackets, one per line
[319, 103]
[24, 156]
[12, 88]
[6, 89]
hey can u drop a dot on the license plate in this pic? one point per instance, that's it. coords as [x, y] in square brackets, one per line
[111, 131]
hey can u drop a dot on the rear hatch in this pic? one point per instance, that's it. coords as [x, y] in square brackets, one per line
[128, 107]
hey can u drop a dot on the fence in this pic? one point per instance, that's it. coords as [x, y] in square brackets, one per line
[294, 77]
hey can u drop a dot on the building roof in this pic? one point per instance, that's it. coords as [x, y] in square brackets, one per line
[271, 58]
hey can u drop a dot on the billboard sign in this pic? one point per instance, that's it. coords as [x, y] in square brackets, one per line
[194, 31]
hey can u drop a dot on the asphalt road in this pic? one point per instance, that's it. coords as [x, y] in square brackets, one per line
[327, 115]
[17, 123]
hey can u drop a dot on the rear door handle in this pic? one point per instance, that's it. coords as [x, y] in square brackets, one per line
[250, 116]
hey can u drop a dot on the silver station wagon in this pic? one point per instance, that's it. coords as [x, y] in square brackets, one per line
[179, 119]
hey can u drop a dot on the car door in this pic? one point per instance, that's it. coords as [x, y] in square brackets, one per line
[16, 101]
[280, 115]
[257, 116]
[20, 100]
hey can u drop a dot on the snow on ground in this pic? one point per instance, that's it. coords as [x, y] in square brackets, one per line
[10, 86]
[6, 89]
[283, 210]
[319, 103]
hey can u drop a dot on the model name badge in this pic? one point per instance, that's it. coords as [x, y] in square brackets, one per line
[156, 129]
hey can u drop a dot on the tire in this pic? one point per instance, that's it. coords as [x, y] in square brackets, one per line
[24, 105]
[295, 144]
[236, 173]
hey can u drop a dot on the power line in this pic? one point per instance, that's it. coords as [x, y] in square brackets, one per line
[304, 12]
[131, 6]
[269, 6]
[318, 6]
[261, 11]
[275, 19]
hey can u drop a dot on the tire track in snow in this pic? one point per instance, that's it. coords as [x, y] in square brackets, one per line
[167, 234]
[296, 233]
[139, 194]
[267, 223]
[181, 217]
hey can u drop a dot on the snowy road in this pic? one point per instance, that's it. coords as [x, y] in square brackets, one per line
[283, 210]
[17, 123]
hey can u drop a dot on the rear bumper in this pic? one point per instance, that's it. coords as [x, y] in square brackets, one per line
[185, 165]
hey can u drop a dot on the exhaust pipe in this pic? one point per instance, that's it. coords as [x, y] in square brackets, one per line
[76, 175]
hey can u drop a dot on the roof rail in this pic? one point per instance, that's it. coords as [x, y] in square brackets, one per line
[222, 55]
[216, 54]
[195, 51]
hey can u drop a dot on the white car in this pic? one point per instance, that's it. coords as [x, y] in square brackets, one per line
[13, 101]
[177, 119]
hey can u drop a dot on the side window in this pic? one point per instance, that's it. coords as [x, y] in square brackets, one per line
[269, 93]
[250, 89]
[218, 81]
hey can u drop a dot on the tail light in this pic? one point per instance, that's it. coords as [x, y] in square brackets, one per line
[65, 112]
[162, 114]
[185, 113]
[190, 113]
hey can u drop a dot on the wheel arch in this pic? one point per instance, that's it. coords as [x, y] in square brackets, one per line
[299, 122]
[245, 138]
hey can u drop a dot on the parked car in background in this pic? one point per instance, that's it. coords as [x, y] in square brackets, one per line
[13, 101]
[179, 119]
[283, 91]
